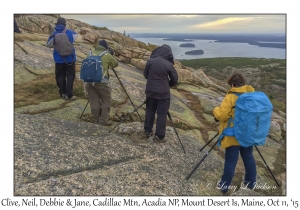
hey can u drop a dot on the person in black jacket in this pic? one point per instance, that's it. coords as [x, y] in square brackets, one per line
[16, 27]
[161, 75]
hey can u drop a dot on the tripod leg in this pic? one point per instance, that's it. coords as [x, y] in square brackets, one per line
[126, 93]
[267, 167]
[84, 109]
[198, 164]
[209, 142]
[135, 110]
[175, 130]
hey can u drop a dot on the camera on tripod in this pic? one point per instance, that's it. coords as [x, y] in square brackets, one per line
[111, 51]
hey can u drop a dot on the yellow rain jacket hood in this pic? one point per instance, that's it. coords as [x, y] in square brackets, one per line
[225, 111]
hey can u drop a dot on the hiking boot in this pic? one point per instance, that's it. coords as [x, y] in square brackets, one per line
[72, 98]
[148, 135]
[220, 188]
[63, 96]
[107, 123]
[158, 140]
[247, 185]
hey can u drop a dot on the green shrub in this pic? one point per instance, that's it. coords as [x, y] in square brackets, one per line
[99, 28]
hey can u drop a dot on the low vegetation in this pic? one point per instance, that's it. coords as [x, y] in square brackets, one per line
[148, 46]
[272, 72]
[29, 37]
[99, 28]
[42, 89]
[222, 63]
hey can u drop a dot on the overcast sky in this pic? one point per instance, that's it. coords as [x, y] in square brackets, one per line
[190, 23]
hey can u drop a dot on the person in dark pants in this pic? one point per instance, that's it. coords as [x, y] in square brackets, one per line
[161, 75]
[64, 66]
[222, 113]
[16, 27]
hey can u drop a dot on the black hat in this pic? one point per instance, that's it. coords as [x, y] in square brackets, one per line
[103, 43]
[61, 21]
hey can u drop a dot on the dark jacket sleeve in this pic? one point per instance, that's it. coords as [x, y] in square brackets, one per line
[146, 70]
[173, 76]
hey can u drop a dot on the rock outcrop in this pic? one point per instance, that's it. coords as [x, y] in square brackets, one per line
[58, 151]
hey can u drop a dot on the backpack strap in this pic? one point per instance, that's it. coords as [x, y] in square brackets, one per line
[230, 119]
[222, 135]
[237, 94]
[101, 54]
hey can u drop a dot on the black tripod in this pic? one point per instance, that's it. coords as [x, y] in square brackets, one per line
[125, 92]
[135, 110]
[206, 154]
[198, 164]
[168, 113]
[267, 167]
[84, 109]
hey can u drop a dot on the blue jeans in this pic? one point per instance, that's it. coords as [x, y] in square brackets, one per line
[231, 158]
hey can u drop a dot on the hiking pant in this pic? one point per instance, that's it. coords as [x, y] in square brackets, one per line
[161, 107]
[65, 75]
[97, 92]
[231, 158]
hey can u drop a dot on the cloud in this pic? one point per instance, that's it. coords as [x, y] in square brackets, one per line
[184, 16]
[185, 23]
[223, 22]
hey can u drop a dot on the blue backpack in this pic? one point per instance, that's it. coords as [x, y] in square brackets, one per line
[91, 70]
[252, 119]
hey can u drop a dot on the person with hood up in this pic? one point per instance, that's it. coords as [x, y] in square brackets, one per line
[64, 66]
[222, 114]
[16, 28]
[161, 75]
[102, 91]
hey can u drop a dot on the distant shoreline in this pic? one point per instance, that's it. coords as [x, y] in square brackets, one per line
[261, 40]
[177, 39]
[260, 44]
[219, 49]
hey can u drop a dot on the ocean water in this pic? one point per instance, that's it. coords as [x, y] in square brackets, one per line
[217, 49]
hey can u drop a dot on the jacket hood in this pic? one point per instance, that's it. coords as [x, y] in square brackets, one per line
[98, 50]
[164, 51]
[59, 28]
[100, 47]
[243, 89]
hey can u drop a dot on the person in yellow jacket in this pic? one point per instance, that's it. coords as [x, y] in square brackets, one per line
[222, 114]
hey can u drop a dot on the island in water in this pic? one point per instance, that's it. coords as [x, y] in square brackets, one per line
[187, 45]
[178, 39]
[277, 40]
[194, 52]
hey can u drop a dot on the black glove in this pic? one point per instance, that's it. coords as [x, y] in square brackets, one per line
[111, 51]
[171, 83]
[216, 120]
